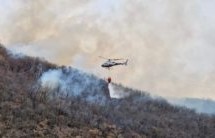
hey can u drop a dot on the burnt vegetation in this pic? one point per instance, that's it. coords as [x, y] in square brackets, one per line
[27, 110]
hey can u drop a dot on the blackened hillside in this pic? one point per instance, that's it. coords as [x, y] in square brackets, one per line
[29, 110]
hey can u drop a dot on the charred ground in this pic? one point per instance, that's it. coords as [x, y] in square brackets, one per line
[28, 110]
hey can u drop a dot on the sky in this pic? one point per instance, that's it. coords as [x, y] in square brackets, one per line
[170, 44]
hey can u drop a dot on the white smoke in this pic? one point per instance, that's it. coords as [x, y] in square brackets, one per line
[51, 79]
[199, 105]
[72, 82]
[14, 52]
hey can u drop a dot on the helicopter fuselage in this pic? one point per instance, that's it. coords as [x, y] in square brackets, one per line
[110, 64]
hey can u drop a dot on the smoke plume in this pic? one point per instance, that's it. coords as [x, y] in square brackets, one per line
[72, 82]
[51, 79]
[199, 105]
[170, 44]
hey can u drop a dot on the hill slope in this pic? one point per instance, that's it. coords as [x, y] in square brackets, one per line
[78, 105]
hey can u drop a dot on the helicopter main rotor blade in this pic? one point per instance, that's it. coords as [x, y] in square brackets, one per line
[118, 59]
[112, 58]
[104, 57]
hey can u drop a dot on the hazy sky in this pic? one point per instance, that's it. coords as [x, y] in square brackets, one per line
[170, 43]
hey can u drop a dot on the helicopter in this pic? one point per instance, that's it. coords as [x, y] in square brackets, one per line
[112, 62]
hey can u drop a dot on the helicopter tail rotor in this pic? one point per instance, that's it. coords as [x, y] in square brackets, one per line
[126, 62]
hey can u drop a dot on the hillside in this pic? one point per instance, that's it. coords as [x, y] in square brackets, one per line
[40, 99]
